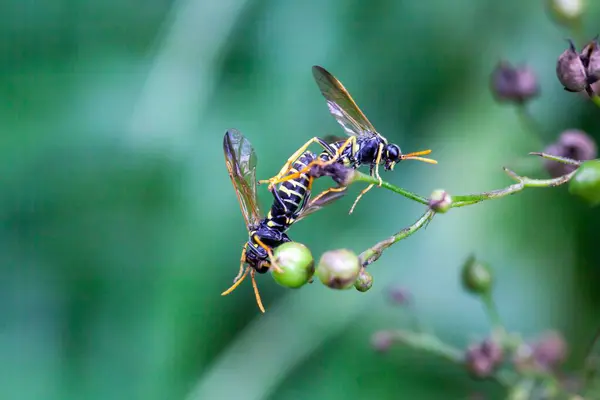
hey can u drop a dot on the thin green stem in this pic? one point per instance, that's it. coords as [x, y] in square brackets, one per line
[360, 177]
[522, 183]
[373, 253]
[430, 344]
[493, 314]
[596, 100]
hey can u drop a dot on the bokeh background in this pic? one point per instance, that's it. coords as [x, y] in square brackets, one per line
[120, 228]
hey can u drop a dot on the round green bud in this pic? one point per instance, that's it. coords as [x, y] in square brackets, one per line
[296, 263]
[364, 281]
[566, 11]
[586, 182]
[476, 276]
[440, 201]
[338, 269]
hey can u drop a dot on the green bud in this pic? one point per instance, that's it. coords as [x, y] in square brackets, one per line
[566, 12]
[476, 276]
[586, 182]
[364, 281]
[297, 265]
[338, 269]
[440, 201]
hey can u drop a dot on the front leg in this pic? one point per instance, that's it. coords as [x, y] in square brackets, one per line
[377, 161]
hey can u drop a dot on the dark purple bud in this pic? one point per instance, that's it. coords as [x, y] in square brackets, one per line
[513, 84]
[574, 144]
[570, 70]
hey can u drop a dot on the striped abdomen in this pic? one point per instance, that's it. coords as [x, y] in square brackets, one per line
[291, 195]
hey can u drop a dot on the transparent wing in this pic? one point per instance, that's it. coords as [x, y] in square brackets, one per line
[321, 201]
[341, 105]
[240, 159]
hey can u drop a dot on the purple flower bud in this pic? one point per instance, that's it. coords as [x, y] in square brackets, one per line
[481, 359]
[513, 84]
[574, 144]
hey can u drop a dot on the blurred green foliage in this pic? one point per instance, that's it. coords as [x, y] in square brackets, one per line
[120, 227]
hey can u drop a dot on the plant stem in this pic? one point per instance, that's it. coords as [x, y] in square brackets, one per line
[360, 177]
[522, 183]
[493, 314]
[429, 343]
[373, 253]
[596, 100]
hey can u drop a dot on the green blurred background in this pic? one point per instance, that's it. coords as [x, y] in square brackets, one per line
[120, 227]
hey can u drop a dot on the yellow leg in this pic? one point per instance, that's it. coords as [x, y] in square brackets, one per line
[242, 261]
[288, 164]
[333, 189]
[359, 196]
[256, 293]
[338, 153]
[377, 161]
[274, 264]
[237, 283]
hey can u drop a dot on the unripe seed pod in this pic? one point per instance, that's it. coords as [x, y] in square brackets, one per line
[566, 11]
[476, 277]
[586, 182]
[338, 269]
[364, 281]
[570, 70]
[297, 265]
[440, 201]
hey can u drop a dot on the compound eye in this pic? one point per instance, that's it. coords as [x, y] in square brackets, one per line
[393, 151]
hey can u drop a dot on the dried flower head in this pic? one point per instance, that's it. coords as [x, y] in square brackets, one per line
[513, 84]
[590, 57]
[574, 144]
[570, 70]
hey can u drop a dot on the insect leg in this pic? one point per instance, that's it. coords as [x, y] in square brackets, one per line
[256, 293]
[274, 264]
[377, 161]
[288, 164]
[325, 192]
[236, 284]
[376, 175]
[350, 142]
[242, 261]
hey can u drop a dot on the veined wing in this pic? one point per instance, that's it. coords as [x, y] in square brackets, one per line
[240, 159]
[341, 105]
[319, 202]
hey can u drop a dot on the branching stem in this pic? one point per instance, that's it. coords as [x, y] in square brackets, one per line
[373, 253]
